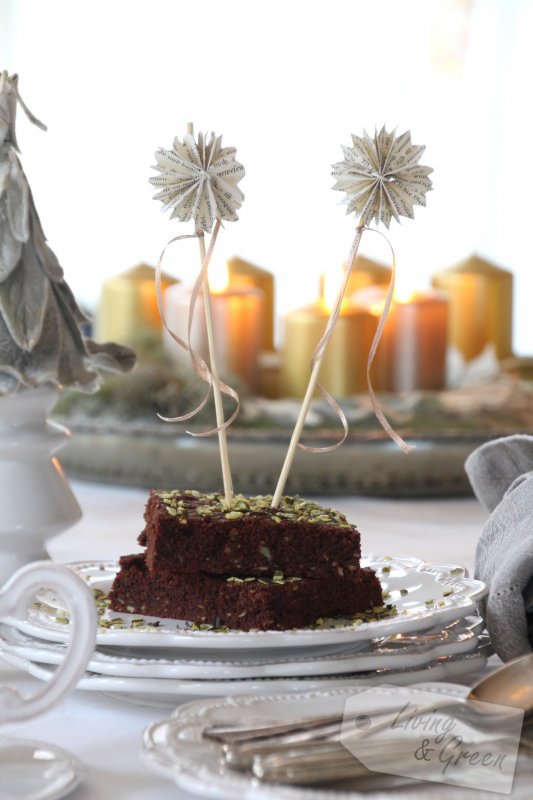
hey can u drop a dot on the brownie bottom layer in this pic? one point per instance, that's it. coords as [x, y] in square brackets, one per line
[243, 605]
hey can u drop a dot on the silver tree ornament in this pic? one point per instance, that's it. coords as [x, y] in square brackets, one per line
[40, 337]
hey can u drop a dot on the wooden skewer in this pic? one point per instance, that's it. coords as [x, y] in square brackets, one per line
[311, 386]
[217, 394]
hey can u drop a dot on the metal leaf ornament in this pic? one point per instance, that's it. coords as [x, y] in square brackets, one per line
[198, 180]
[382, 178]
[40, 336]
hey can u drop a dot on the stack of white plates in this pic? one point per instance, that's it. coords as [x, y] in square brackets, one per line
[432, 634]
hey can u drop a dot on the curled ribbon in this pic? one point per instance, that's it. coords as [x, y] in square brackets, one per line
[198, 363]
[378, 411]
[321, 346]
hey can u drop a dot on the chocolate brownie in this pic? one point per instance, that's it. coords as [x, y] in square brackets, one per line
[195, 532]
[245, 604]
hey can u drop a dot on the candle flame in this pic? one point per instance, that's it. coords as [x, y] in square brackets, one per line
[403, 291]
[403, 295]
[371, 298]
[218, 276]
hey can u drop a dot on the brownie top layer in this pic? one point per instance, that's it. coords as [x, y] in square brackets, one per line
[187, 504]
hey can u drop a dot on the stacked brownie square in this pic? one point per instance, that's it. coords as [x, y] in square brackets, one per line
[247, 567]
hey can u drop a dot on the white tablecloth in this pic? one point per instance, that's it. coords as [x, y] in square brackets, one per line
[106, 734]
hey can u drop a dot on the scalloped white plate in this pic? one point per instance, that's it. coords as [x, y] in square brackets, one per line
[460, 636]
[175, 748]
[165, 690]
[425, 595]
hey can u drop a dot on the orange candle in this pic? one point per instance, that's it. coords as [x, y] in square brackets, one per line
[237, 313]
[243, 273]
[481, 306]
[412, 351]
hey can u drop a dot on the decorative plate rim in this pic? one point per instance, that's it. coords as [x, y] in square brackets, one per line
[464, 593]
[172, 688]
[413, 654]
[194, 773]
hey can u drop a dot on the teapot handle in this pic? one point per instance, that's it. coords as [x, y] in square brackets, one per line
[15, 596]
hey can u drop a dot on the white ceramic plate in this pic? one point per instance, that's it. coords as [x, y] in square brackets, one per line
[425, 595]
[166, 690]
[404, 650]
[175, 748]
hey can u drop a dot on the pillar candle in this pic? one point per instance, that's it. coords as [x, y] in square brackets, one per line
[365, 273]
[243, 273]
[481, 306]
[343, 370]
[237, 313]
[128, 305]
[412, 351]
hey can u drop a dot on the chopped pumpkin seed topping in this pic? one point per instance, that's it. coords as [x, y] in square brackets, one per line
[371, 615]
[180, 503]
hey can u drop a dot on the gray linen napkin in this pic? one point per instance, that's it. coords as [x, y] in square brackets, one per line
[501, 474]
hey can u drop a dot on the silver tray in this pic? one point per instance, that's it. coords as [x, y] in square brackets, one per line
[365, 466]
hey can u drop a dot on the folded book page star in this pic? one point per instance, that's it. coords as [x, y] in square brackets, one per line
[382, 178]
[198, 180]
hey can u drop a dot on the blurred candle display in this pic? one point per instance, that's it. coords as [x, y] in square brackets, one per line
[237, 325]
[412, 351]
[128, 305]
[481, 306]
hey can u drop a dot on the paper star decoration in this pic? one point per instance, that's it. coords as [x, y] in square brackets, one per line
[199, 180]
[382, 177]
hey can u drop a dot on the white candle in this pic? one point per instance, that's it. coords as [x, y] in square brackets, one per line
[237, 328]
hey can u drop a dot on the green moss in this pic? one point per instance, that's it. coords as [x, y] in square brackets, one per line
[157, 385]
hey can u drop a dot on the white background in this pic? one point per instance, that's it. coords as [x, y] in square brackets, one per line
[286, 82]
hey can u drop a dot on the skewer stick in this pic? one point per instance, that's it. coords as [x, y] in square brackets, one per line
[311, 386]
[217, 394]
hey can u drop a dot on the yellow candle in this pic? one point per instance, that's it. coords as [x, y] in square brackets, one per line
[412, 351]
[243, 273]
[237, 313]
[481, 306]
[128, 305]
[365, 273]
[343, 370]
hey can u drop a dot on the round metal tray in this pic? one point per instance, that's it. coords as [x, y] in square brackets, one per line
[361, 466]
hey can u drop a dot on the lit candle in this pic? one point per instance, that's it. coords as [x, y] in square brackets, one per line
[237, 313]
[343, 369]
[128, 304]
[365, 273]
[481, 306]
[243, 273]
[412, 351]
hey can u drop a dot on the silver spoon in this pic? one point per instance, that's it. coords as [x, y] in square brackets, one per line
[510, 685]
